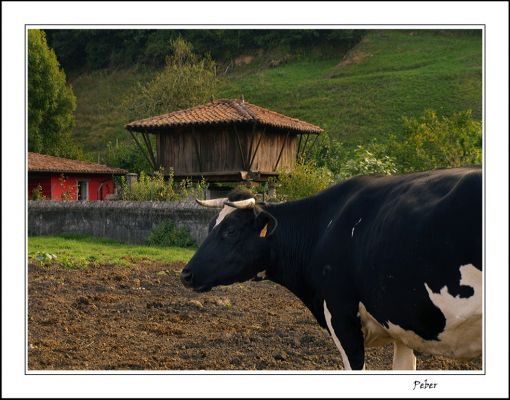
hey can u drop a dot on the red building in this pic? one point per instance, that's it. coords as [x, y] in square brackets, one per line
[65, 179]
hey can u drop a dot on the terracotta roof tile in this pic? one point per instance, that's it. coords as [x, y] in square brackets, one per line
[43, 163]
[223, 111]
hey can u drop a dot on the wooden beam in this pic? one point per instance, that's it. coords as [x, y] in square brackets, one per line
[281, 151]
[299, 146]
[195, 141]
[304, 144]
[142, 150]
[243, 160]
[250, 149]
[256, 149]
[314, 141]
[148, 143]
[227, 176]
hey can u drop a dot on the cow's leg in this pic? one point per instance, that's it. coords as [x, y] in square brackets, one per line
[345, 329]
[403, 357]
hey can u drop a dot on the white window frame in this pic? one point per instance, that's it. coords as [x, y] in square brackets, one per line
[82, 181]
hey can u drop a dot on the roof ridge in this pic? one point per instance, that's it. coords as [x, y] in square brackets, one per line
[242, 110]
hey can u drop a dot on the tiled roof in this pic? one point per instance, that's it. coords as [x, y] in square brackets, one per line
[43, 163]
[221, 112]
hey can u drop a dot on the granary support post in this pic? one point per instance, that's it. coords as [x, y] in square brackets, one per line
[299, 146]
[148, 143]
[304, 144]
[153, 165]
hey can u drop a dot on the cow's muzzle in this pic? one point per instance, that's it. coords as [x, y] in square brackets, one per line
[188, 281]
[187, 278]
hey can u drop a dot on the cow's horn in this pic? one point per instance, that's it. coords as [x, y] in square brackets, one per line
[248, 203]
[213, 203]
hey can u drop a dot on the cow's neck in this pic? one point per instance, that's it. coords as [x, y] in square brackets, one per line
[292, 246]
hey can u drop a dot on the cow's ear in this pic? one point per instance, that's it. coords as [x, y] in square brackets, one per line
[265, 223]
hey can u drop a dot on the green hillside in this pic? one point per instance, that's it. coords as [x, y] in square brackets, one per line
[355, 97]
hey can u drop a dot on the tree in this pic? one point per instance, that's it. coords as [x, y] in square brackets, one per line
[51, 101]
[185, 81]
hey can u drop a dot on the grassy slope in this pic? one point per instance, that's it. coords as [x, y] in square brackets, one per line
[393, 73]
[100, 117]
[76, 251]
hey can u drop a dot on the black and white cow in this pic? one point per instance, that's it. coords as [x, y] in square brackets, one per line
[376, 260]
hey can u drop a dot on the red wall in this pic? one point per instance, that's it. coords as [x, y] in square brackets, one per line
[103, 182]
[59, 187]
[53, 187]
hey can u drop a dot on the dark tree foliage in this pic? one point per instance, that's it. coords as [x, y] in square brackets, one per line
[86, 49]
[51, 102]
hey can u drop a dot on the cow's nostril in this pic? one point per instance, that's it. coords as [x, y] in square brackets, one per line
[186, 278]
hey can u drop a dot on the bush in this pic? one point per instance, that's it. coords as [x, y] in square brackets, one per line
[327, 152]
[363, 161]
[159, 188]
[305, 180]
[37, 193]
[168, 234]
[438, 142]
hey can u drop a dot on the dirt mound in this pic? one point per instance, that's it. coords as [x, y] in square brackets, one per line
[142, 318]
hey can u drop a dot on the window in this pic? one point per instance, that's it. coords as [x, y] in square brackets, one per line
[83, 190]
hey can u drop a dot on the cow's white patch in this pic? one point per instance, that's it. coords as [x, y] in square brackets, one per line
[223, 213]
[462, 335]
[262, 274]
[345, 360]
[373, 332]
[403, 357]
[352, 232]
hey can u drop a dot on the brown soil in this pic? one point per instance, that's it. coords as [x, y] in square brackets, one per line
[142, 318]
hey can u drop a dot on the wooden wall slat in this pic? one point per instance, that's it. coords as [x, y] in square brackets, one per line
[219, 150]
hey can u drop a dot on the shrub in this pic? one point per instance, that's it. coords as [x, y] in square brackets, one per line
[168, 234]
[37, 193]
[327, 152]
[159, 188]
[364, 161]
[305, 180]
[438, 142]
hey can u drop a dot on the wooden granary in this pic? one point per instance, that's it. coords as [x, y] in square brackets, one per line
[223, 141]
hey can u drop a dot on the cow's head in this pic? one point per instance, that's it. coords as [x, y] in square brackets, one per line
[236, 248]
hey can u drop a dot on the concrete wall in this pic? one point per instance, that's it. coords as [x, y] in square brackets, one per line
[125, 221]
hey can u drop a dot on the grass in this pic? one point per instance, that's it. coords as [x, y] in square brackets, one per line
[80, 251]
[388, 75]
[391, 73]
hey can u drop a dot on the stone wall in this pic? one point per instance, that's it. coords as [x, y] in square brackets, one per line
[125, 221]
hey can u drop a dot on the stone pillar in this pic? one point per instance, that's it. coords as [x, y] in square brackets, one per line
[131, 179]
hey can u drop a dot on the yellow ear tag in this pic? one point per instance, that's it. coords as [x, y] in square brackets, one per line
[263, 232]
